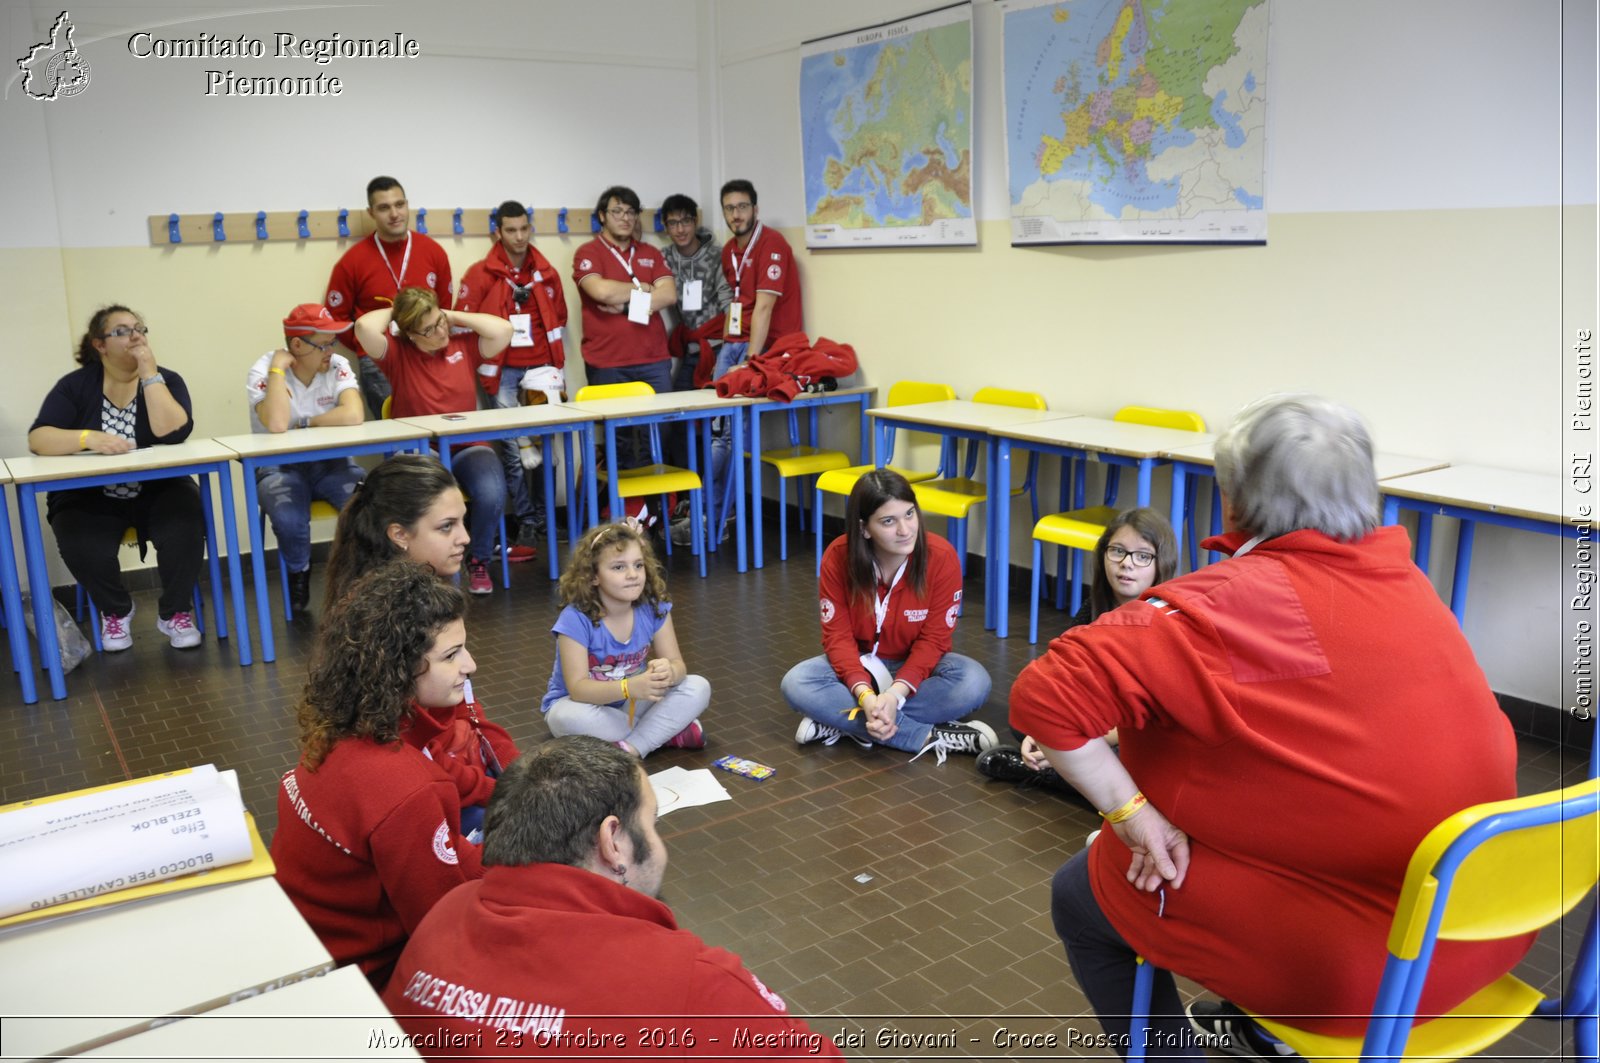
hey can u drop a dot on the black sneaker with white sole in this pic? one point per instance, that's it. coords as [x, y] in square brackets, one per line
[1223, 1027]
[970, 738]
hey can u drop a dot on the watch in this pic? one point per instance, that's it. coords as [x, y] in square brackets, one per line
[147, 381]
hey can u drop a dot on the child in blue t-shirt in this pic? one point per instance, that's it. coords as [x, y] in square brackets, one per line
[619, 675]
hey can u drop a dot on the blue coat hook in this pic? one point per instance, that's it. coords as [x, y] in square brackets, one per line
[344, 221]
[305, 230]
[594, 222]
[531, 225]
[659, 226]
[494, 222]
[422, 220]
[455, 222]
[173, 235]
[561, 220]
[216, 227]
[261, 225]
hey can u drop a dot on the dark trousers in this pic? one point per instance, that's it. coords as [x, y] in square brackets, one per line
[374, 385]
[1103, 964]
[633, 445]
[89, 526]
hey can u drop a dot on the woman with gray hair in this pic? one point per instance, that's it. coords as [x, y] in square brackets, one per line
[1293, 720]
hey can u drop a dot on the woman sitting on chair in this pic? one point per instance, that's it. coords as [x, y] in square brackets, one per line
[890, 595]
[1293, 721]
[121, 399]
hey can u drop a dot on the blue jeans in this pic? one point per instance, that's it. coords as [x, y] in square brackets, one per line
[520, 501]
[956, 687]
[286, 493]
[1103, 963]
[483, 480]
[633, 449]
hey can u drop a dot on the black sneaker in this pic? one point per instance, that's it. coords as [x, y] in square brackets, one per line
[1222, 1027]
[1005, 764]
[971, 738]
[300, 591]
[530, 535]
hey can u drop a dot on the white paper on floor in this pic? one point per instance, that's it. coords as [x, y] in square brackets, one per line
[682, 788]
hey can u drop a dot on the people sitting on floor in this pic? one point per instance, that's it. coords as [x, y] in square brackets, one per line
[1294, 719]
[566, 928]
[890, 595]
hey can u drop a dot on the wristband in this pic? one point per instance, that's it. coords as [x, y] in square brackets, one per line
[156, 379]
[861, 698]
[624, 686]
[1127, 809]
[83, 439]
[280, 372]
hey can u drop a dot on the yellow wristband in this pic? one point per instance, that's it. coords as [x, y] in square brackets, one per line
[280, 372]
[1127, 809]
[624, 687]
[861, 698]
[83, 439]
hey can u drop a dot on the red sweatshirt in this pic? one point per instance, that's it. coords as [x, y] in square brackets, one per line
[917, 628]
[1306, 713]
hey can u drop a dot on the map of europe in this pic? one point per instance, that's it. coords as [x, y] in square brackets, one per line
[1136, 120]
[886, 125]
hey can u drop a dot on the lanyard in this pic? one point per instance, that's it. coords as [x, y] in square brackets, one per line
[739, 264]
[627, 263]
[405, 260]
[880, 606]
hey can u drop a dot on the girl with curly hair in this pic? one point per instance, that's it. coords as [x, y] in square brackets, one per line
[394, 754]
[619, 675]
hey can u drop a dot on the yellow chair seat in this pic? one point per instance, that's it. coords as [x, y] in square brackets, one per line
[653, 480]
[804, 461]
[1478, 1022]
[953, 496]
[1080, 529]
[321, 510]
[843, 481]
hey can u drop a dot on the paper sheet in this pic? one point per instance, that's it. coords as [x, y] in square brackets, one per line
[681, 788]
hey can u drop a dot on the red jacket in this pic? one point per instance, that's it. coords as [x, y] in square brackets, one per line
[369, 841]
[788, 365]
[485, 290]
[1305, 713]
[916, 630]
[550, 960]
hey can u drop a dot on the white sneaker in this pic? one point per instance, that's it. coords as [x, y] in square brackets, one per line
[180, 630]
[811, 731]
[116, 633]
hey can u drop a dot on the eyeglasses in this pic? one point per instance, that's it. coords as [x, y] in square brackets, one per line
[680, 223]
[122, 332]
[434, 329]
[622, 213]
[738, 208]
[1141, 558]
[323, 347]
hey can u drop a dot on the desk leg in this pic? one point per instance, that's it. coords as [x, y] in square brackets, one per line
[1391, 510]
[1180, 487]
[44, 621]
[1146, 470]
[1458, 586]
[591, 477]
[218, 595]
[615, 493]
[755, 489]
[1000, 545]
[11, 592]
[230, 530]
[1424, 539]
[258, 561]
[736, 433]
[550, 505]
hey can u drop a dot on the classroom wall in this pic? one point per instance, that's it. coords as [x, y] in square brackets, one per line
[1422, 191]
[1430, 247]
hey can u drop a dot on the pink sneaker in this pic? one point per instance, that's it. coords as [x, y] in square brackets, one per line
[180, 630]
[691, 737]
[115, 633]
[478, 577]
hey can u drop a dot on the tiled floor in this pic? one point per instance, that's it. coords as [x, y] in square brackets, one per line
[864, 888]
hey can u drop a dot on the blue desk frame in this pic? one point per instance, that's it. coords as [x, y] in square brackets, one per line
[814, 401]
[258, 553]
[39, 575]
[11, 594]
[1470, 517]
[703, 414]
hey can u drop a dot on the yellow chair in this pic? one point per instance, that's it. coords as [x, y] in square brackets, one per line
[843, 481]
[953, 497]
[1491, 871]
[656, 478]
[1080, 529]
[795, 460]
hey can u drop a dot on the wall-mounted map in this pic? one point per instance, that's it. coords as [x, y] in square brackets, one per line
[1136, 120]
[886, 132]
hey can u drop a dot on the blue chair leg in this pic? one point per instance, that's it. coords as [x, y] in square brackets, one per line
[783, 515]
[1033, 597]
[505, 555]
[818, 511]
[1139, 1013]
[1077, 581]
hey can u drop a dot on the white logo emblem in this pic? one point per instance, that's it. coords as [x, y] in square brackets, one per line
[55, 69]
[433, 279]
[335, 298]
[461, 292]
[454, 356]
[950, 617]
[916, 616]
[774, 272]
[441, 844]
[585, 264]
[827, 610]
[768, 995]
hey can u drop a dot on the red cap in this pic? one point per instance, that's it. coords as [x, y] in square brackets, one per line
[313, 317]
